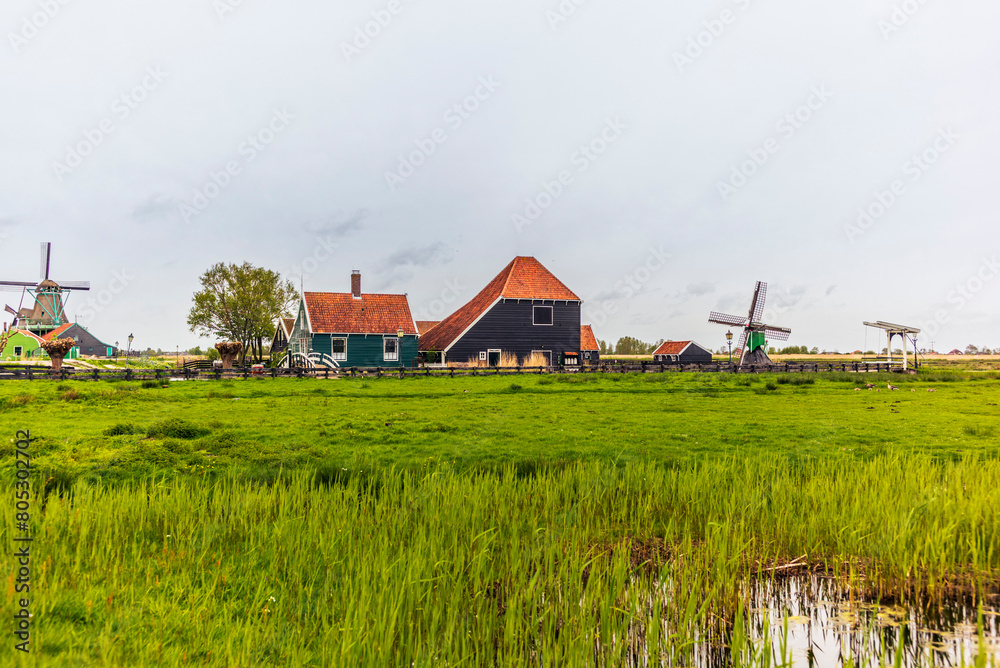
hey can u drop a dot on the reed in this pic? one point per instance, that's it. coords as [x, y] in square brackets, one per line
[594, 564]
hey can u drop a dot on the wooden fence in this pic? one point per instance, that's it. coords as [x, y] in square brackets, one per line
[166, 375]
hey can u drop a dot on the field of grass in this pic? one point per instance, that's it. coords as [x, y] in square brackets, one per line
[535, 520]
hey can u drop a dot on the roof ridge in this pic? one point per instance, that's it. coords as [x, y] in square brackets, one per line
[510, 272]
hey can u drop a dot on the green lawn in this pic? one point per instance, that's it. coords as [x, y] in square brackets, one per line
[536, 520]
[258, 427]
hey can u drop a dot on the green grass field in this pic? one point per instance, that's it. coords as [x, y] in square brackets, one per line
[263, 426]
[536, 520]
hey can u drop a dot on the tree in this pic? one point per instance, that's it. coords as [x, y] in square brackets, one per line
[971, 350]
[628, 345]
[195, 351]
[603, 347]
[240, 303]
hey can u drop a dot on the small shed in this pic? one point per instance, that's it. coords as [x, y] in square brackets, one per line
[681, 352]
[282, 335]
[589, 350]
[21, 345]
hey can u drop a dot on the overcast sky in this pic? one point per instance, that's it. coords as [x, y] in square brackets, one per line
[659, 158]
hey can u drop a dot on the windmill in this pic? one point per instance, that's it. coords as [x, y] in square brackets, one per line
[49, 311]
[755, 332]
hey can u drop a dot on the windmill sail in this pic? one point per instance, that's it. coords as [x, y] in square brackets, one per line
[752, 344]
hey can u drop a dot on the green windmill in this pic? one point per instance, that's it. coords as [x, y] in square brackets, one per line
[752, 346]
[49, 310]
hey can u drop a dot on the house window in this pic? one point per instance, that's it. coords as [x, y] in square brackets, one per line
[542, 315]
[482, 356]
[571, 359]
[338, 349]
[17, 351]
[390, 349]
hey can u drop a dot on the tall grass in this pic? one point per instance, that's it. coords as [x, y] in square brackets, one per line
[584, 566]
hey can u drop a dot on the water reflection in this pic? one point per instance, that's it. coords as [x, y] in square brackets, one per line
[814, 621]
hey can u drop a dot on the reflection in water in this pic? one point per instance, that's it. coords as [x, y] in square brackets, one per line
[814, 621]
[825, 627]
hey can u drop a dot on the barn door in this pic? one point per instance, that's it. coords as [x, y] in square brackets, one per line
[493, 357]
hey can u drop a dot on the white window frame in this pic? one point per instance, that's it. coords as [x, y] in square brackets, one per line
[340, 357]
[386, 355]
[552, 318]
[482, 355]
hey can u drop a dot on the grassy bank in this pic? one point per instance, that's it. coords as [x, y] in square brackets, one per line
[442, 568]
[106, 432]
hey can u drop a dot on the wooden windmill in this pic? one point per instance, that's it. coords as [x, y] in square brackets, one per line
[49, 310]
[755, 332]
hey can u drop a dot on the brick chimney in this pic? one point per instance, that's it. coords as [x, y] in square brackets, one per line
[356, 284]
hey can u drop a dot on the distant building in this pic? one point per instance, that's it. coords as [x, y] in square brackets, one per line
[956, 351]
[682, 352]
[282, 335]
[524, 311]
[355, 329]
[589, 349]
[86, 343]
[21, 345]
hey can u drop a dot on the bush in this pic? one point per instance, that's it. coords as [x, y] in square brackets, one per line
[176, 428]
[150, 384]
[71, 395]
[212, 354]
[514, 387]
[796, 380]
[120, 429]
[770, 386]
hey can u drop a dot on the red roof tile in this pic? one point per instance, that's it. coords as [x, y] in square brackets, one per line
[587, 339]
[57, 332]
[523, 278]
[424, 326]
[672, 348]
[340, 313]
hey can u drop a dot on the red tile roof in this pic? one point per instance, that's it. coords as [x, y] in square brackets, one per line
[672, 348]
[587, 339]
[340, 313]
[424, 326]
[523, 278]
[57, 332]
[30, 335]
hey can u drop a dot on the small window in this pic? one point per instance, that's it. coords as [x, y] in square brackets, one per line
[391, 349]
[542, 315]
[571, 359]
[338, 349]
[17, 351]
[482, 356]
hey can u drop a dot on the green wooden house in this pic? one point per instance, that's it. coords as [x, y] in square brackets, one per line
[355, 329]
[21, 346]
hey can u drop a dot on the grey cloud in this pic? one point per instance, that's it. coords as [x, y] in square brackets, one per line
[699, 289]
[340, 223]
[157, 205]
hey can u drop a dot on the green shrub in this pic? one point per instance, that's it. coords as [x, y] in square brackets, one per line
[176, 428]
[796, 380]
[151, 384]
[514, 387]
[120, 429]
[770, 386]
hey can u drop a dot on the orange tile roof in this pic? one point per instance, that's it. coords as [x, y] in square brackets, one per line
[523, 278]
[340, 313]
[424, 326]
[55, 333]
[587, 339]
[30, 334]
[672, 348]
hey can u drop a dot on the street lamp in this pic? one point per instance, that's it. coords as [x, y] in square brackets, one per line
[729, 340]
[116, 351]
[128, 351]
